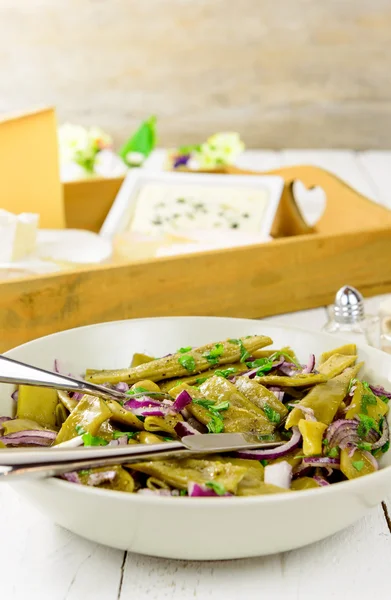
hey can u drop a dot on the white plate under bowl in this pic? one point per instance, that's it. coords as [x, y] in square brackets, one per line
[72, 245]
[195, 528]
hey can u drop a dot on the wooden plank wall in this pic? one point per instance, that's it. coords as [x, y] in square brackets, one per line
[285, 73]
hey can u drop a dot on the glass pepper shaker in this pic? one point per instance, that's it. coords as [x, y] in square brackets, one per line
[347, 318]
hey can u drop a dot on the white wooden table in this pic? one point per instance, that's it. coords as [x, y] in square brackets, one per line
[41, 560]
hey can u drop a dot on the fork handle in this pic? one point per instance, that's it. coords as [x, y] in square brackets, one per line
[18, 373]
[15, 473]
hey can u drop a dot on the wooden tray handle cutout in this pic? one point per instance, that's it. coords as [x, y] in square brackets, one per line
[311, 202]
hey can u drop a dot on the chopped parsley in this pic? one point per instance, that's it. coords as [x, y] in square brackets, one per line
[333, 452]
[136, 390]
[119, 434]
[367, 400]
[184, 350]
[244, 354]
[225, 372]
[218, 488]
[358, 465]
[93, 440]
[223, 405]
[384, 399]
[365, 425]
[84, 472]
[272, 415]
[182, 493]
[167, 439]
[213, 355]
[216, 423]
[200, 380]
[364, 446]
[264, 365]
[187, 362]
[386, 447]
[325, 442]
[211, 404]
[204, 403]
[264, 462]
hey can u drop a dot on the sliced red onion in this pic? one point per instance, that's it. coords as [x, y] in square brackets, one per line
[344, 432]
[321, 461]
[372, 459]
[310, 365]
[251, 374]
[146, 407]
[385, 436]
[101, 477]
[120, 441]
[277, 391]
[31, 437]
[73, 477]
[149, 412]
[182, 400]
[379, 390]
[278, 363]
[76, 396]
[320, 480]
[288, 369]
[197, 490]
[279, 474]
[144, 401]
[308, 412]
[273, 453]
[183, 428]
[121, 387]
[351, 448]
[44, 433]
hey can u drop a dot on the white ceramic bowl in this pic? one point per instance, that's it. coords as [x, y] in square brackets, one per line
[195, 528]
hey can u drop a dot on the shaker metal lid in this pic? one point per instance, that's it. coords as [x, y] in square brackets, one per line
[348, 305]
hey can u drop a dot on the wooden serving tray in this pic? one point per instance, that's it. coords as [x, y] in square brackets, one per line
[301, 269]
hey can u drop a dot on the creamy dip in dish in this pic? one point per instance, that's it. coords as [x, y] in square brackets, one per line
[184, 207]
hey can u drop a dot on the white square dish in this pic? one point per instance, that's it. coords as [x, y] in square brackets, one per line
[175, 203]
